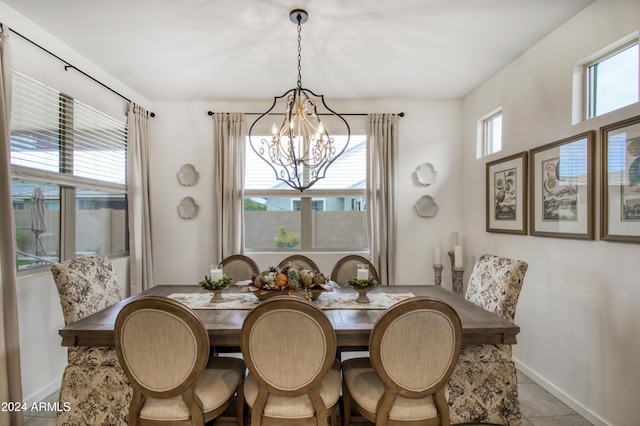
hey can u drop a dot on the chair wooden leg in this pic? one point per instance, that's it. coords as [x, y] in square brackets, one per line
[240, 404]
[346, 402]
[334, 417]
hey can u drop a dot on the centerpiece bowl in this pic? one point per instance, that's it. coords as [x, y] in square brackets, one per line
[291, 280]
[363, 287]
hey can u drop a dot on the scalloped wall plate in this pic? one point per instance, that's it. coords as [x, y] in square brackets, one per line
[426, 207]
[426, 174]
[188, 176]
[188, 209]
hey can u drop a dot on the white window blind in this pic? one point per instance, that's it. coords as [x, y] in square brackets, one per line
[57, 139]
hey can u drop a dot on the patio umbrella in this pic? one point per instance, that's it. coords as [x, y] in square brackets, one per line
[37, 218]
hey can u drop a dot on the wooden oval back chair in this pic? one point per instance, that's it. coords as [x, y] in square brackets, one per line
[414, 348]
[346, 268]
[163, 347]
[240, 267]
[300, 260]
[289, 347]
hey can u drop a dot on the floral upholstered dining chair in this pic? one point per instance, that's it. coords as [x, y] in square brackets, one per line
[93, 384]
[483, 386]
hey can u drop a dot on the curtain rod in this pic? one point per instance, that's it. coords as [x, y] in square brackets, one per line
[400, 114]
[67, 65]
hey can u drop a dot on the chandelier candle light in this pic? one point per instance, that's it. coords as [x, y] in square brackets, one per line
[300, 148]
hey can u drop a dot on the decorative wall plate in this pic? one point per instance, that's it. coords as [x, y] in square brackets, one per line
[426, 207]
[188, 209]
[426, 174]
[188, 176]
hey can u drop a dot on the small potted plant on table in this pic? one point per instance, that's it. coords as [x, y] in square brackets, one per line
[362, 286]
[216, 287]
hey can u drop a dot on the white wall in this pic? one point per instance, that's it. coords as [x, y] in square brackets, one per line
[183, 133]
[578, 310]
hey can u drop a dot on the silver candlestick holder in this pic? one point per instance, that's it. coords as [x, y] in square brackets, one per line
[457, 280]
[438, 274]
[452, 257]
[456, 275]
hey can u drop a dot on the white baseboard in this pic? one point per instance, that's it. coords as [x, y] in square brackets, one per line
[42, 393]
[587, 414]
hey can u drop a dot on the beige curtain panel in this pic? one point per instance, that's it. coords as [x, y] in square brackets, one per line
[382, 157]
[10, 381]
[139, 188]
[229, 150]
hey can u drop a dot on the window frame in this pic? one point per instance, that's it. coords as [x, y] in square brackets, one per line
[589, 78]
[487, 142]
[65, 178]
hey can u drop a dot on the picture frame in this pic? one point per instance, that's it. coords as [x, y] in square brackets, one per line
[620, 180]
[561, 188]
[506, 192]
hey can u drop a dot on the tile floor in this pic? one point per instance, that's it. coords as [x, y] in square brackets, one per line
[539, 408]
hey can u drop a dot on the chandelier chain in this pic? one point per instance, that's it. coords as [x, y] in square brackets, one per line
[299, 53]
[301, 149]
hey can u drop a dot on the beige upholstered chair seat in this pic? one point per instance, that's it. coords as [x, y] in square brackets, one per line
[299, 406]
[289, 346]
[214, 388]
[413, 348]
[367, 389]
[163, 347]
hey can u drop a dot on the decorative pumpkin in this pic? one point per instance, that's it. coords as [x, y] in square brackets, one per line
[281, 280]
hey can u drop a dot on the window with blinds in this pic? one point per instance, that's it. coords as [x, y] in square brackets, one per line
[329, 216]
[62, 140]
[69, 182]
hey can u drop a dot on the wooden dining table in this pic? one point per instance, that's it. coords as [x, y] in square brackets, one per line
[352, 326]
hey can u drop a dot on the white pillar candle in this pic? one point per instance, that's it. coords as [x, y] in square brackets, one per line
[363, 272]
[216, 273]
[454, 239]
[437, 256]
[457, 252]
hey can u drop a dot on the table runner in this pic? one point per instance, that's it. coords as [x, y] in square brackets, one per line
[328, 300]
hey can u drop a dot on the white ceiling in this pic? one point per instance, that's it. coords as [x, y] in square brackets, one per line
[200, 50]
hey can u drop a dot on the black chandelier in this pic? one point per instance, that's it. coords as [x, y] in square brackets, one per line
[301, 147]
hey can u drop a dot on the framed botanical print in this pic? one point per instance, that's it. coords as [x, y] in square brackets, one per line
[561, 188]
[620, 204]
[507, 195]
